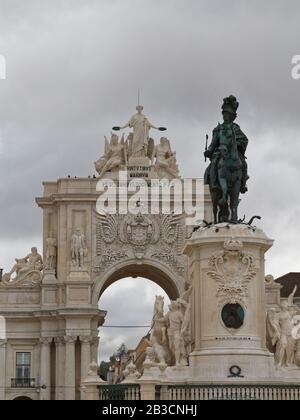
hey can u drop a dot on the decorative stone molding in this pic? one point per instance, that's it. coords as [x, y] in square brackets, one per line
[131, 373]
[86, 339]
[59, 341]
[232, 269]
[3, 343]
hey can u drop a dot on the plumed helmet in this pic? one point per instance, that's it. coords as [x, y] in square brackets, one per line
[230, 104]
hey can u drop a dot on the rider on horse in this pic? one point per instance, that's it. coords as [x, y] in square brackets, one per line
[229, 109]
[227, 173]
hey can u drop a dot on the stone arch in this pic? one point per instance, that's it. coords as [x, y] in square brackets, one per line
[172, 283]
[22, 398]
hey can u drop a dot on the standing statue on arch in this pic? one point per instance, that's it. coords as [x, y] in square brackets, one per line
[227, 173]
[140, 142]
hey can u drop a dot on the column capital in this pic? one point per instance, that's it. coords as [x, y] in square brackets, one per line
[59, 340]
[45, 340]
[70, 339]
[95, 340]
[86, 338]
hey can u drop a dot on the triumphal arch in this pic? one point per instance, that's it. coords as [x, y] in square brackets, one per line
[50, 297]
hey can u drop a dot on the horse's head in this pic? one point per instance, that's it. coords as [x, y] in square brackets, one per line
[159, 306]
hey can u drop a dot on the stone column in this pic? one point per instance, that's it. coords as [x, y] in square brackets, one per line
[85, 355]
[45, 368]
[3, 344]
[94, 349]
[60, 368]
[70, 367]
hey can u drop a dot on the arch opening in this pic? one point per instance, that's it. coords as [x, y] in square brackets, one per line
[171, 284]
[129, 303]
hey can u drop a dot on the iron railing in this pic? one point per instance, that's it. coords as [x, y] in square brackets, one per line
[228, 392]
[119, 392]
[23, 383]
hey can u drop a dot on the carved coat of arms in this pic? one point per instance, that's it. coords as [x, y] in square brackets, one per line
[233, 270]
[119, 237]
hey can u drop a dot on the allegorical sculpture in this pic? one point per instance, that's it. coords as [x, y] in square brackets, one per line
[283, 333]
[28, 268]
[166, 161]
[114, 155]
[171, 333]
[138, 150]
[141, 127]
[227, 173]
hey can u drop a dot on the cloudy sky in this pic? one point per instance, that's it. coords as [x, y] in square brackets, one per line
[73, 69]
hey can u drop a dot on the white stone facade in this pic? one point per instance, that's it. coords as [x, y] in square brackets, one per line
[55, 317]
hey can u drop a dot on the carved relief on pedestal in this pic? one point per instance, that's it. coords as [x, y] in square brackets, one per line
[28, 271]
[232, 269]
[121, 237]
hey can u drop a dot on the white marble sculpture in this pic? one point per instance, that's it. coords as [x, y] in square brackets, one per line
[166, 162]
[141, 127]
[158, 337]
[174, 326]
[114, 155]
[78, 249]
[28, 267]
[51, 252]
[282, 332]
[171, 333]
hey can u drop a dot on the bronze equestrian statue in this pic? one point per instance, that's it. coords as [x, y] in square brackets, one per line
[227, 173]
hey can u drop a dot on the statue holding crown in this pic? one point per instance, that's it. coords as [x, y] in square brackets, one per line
[227, 173]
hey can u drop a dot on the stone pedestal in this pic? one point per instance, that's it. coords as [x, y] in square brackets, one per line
[226, 269]
[49, 288]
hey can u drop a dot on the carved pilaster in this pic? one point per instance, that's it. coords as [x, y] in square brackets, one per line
[85, 355]
[45, 368]
[60, 367]
[70, 367]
